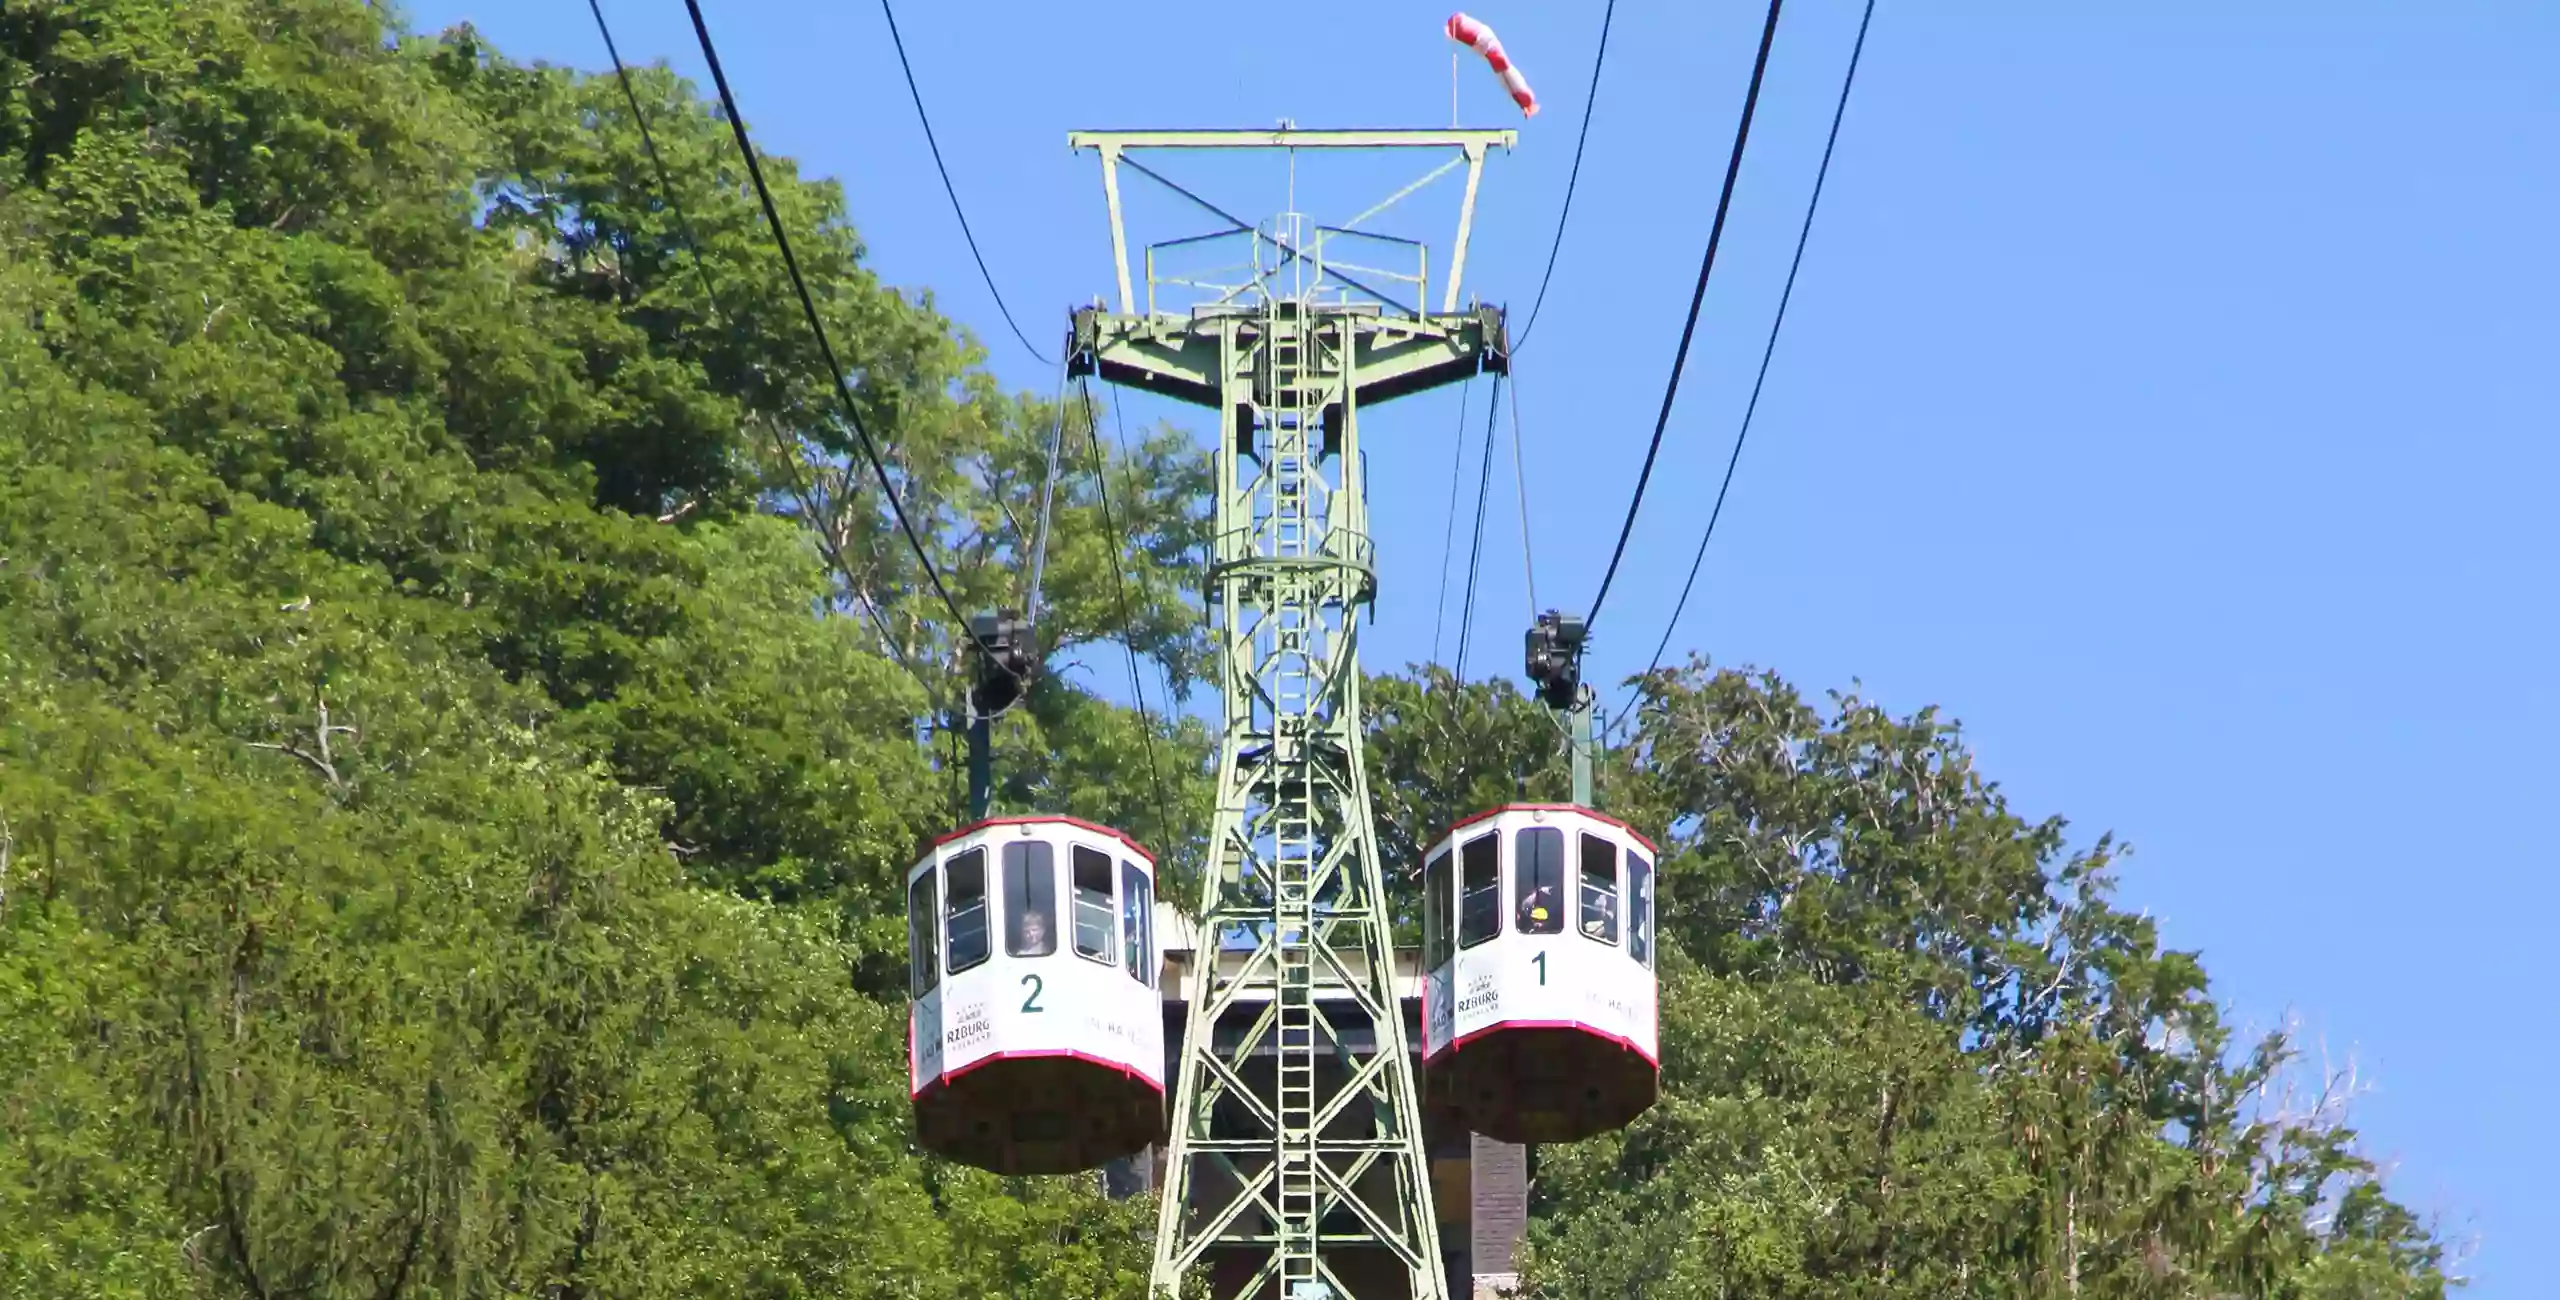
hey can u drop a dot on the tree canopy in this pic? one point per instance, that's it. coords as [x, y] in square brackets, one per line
[464, 718]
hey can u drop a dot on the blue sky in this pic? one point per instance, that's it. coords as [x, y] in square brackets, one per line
[2166, 395]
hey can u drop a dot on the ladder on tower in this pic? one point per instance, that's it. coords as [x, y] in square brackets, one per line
[1299, 1179]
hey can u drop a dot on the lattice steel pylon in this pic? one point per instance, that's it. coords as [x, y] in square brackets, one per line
[1295, 1166]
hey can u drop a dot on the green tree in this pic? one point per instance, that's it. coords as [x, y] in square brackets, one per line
[395, 644]
[1910, 1048]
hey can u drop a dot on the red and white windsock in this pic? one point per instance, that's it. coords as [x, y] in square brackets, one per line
[1480, 38]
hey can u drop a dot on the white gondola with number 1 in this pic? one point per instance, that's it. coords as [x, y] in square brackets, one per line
[1539, 1018]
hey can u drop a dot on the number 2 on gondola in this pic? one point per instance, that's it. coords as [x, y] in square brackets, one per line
[1032, 1003]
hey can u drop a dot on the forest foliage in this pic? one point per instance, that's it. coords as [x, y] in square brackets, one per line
[464, 715]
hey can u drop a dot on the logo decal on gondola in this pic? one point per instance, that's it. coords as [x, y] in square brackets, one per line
[971, 1029]
[1482, 994]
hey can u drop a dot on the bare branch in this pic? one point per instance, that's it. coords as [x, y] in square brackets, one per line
[192, 1250]
[319, 756]
[1011, 520]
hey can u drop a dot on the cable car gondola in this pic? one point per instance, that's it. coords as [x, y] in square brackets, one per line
[1539, 1016]
[1035, 1037]
[1035, 1040]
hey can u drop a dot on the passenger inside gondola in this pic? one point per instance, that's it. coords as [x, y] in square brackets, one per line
[1537, 911]
[1030, 897]
[1597, 923]
[1599, 889]
[1537, 861]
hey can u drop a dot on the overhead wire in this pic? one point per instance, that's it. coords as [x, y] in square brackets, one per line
[817, 327]
[1572, 179]
[1706, 268]
[801, 493]
[1449, 530]
[952, 191]
[1778, 322]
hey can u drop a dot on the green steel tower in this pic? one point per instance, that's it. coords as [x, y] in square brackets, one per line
[1295, 1167]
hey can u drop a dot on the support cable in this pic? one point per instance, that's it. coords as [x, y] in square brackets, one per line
[1519, 476]
[1449, 530]
[954, 194]
[801, 491]
[1048, 495]
[1120, 585]
[1475, 551]
[1235, 224]
[1803, 235]
[1572, 179]
[817, 328]
[1706, 267]
[1037, 544]
[1120, 439]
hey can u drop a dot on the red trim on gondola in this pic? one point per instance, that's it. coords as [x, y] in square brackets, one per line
[1077, 822]
[1621, 1040]
[949, 1075]
[1592, 813]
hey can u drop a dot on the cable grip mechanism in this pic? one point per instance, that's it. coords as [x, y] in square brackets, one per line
[1555, 659]
[1001, 665]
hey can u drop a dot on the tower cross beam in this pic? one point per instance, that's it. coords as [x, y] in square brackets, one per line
[1472, 145]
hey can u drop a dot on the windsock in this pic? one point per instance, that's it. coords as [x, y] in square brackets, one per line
[1480, 38]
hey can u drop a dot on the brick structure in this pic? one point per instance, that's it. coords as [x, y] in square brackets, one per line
[1498, 1214]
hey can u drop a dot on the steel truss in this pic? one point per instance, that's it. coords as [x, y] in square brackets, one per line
[1295, 1165]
